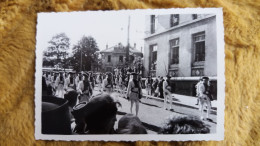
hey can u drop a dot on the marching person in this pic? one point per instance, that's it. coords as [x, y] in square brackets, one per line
[204, 99]
[134, 92]
[167, 92]
[60, 86]
[91, 80]
[121, 85]
[84, 89]
[77, 80]
[108, 83]
[71, 81]
[66, 82]
[148, 85]
[99, 81]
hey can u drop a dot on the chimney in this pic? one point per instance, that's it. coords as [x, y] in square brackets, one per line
[107, 46]
[135, 45]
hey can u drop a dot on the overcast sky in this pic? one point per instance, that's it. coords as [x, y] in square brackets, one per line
[106, 28]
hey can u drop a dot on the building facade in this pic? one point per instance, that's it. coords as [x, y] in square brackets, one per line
[183, 46]
[115, 56]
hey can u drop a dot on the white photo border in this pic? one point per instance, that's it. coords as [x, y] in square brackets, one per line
[219, 135]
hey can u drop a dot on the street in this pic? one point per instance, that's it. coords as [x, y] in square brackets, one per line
[152, 114]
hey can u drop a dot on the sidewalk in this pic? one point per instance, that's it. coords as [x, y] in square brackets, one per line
[189, 101]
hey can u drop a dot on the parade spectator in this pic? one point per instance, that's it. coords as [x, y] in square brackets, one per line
[160, 87]
[130, 124]
[71, 97]
[134, 92]
[197, 90]
[184, 125]
[84, 89]
[100, 115]
[60, 86]
[155, 89]
[108, 83]
[167, 92]
[204, 99]
[148, 86]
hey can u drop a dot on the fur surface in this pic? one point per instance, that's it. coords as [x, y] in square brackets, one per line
[18, 19]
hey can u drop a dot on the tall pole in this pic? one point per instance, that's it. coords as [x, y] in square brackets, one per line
[127, 48]
[81, 59]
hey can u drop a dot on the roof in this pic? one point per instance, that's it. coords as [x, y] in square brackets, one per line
[119, 49]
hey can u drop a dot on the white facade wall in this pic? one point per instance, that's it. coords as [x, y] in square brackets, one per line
[184, 31]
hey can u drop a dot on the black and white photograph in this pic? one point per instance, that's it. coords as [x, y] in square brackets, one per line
[129, 75]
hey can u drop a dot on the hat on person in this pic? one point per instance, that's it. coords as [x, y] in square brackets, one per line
[85, 74]
[133, 73]
[206, 78]
[108, 73]
[168, 76]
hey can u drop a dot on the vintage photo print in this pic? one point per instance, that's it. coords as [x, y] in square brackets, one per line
[129, 75]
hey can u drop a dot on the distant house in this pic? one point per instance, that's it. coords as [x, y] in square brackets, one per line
[183, 46]
[115, 56]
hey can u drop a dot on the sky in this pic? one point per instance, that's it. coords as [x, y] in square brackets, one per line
[107, 28]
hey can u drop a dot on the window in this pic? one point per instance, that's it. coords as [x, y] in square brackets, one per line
[153, 52]
[174, 51]
[121, 59]
[199, 45]
[109, 58]
[174, 20]
[152, 24]
[194, 16]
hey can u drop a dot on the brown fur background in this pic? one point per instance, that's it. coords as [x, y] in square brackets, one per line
[17, 66]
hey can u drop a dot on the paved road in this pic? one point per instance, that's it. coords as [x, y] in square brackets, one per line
[152, 114]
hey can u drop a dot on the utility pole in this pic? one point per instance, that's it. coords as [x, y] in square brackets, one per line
[81, 59]
[128, 45]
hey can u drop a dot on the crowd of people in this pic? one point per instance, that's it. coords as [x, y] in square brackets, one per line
[97, 114]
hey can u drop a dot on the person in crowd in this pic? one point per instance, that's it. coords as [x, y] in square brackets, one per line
[184, 125]
[108, 83]
[116, 82]
[71, 81]
[167, 92]
[49, 77]
[91, 80]
[77, 79]
[96, 117]
[155, 89]
[121, 85]
[99, 81]
[130, 124]
[197, 90]
[46, 89]
[134, 92]
[60, 86]
[71, 97]
[204, 99]
[160, 87]
[85, 89]
[148, 86]
[66, 82]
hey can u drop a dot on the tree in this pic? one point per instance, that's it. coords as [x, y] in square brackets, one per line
[57, 49]
[85, 54]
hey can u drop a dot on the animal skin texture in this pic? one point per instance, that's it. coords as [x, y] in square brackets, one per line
[18, 20]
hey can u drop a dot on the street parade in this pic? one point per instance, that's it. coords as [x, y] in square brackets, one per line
[82, 88]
